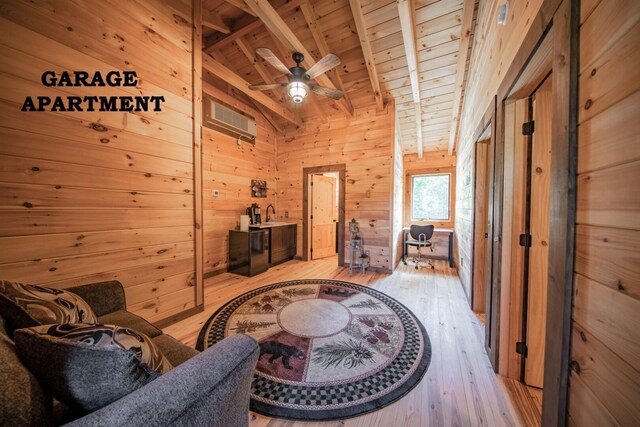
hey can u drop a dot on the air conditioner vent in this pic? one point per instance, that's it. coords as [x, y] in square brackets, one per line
[219, 115]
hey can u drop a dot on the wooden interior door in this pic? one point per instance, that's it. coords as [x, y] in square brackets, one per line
[536, 306]
[481, 228]
[323, 216]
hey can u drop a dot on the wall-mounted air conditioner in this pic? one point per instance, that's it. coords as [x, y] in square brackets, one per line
[218, 115]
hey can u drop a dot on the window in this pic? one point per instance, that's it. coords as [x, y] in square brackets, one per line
[430, 197]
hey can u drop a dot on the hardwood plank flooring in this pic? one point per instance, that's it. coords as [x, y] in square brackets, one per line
[459, 388]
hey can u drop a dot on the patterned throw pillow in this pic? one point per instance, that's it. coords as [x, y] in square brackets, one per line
[31, 305]
[90, 366]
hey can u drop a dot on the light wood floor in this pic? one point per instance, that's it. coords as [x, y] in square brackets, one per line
[460, 387]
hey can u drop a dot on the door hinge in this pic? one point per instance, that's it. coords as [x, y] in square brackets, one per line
[311, 216]
[521, 348]
[528, 128]
[525, 240]
[311, 250]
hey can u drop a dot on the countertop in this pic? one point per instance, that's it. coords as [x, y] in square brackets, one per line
[271, 224]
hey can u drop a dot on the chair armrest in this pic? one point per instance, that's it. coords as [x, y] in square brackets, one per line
[211, 389]
[102, 297]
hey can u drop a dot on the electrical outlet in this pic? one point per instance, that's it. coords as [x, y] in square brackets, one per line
[215, 193]
[368, 194]
[286, 214]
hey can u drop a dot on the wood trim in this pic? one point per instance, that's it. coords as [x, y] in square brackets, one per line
[465, 38]
[407, 220]
[496, 160]
[564, 165]
[564, 16]
[168, 321]
[197, 151]
[488, 118]
[341, 169]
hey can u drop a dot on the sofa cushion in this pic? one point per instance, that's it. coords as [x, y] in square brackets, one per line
[23, 401]
[24, 306]
[175, 351]
[128, 320]
[90, 366]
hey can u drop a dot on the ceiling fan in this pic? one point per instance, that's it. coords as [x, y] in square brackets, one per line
[298, 85]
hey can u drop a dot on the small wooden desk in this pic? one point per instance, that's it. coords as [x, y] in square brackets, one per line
[442, 244]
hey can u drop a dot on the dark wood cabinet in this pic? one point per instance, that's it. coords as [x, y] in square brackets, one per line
[248, 252]
[283, 243]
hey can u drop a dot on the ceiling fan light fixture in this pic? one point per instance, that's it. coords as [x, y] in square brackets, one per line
[297, 91]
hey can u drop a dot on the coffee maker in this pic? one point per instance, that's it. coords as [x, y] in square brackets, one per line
[254, 213]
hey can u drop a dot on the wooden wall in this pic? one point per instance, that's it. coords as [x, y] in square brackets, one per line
[397, 212]
[89, 196]
[494, 48]
[229, 168]
[605, 354]
[365, 145]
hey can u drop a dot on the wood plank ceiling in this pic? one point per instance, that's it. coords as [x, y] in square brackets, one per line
[379, 61]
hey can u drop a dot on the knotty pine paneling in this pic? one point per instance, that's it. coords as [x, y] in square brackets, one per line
[397, 196]
[365, 145]
[92, 196]
[606, 302]
[229, 168]
[494, 48]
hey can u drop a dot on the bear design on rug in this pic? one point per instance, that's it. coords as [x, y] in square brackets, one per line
[277, 349]
[338, 293]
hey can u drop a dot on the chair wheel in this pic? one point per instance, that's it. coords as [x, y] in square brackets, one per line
[416, 267]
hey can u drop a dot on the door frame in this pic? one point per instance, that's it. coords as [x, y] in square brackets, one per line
[492, 295]
[341, 169]
[558, 21]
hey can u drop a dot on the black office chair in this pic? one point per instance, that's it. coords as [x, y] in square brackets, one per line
[421, 235]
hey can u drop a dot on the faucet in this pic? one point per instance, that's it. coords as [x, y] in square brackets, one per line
[274, 212]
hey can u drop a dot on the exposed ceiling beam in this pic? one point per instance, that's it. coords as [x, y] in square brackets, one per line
[406, 12]
[245, 47]
[211, 20]
[267, 116]
[310, 16]
[215, 41]
[465, 38]
[249, 53]
[356, 10]
[225, 74]
[240, 4]
[274, 22]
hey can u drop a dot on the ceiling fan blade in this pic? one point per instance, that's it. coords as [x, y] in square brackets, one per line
[325, 64]
[272, 59]
[265, 87]
[325, 91]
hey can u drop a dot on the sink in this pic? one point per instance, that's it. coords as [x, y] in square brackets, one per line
[270, 224]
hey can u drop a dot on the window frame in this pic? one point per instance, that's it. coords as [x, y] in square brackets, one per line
[416, 174]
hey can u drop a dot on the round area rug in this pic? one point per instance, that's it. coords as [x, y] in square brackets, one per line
[328, 349]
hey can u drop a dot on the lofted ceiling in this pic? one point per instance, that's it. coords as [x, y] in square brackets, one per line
[414, 52]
